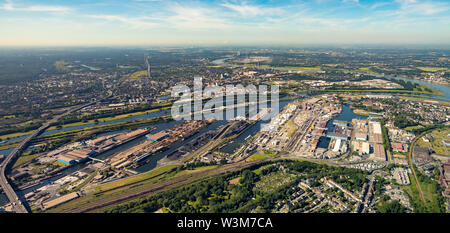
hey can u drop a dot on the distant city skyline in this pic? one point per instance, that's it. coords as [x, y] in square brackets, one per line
[222, 22]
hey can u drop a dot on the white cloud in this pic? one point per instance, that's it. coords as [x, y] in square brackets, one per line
[9, 6]
[379, 4]
[138, 23]
[355, 1]
[195, 18]
[247, 10]
[421, 8]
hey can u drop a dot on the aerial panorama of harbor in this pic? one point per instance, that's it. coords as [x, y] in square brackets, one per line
[360, 130]
[225, 115]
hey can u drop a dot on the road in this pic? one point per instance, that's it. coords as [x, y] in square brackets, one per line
[18, 202]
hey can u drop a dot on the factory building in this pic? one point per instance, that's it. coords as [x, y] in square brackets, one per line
[337, 145]
[337, 136]
[127, 136]
[361, 136]
[380, 153]
[341, 123]
[157, 136]
[76, 156]
[362, 147]
[376, 127]
[68, 159]
[60, 200]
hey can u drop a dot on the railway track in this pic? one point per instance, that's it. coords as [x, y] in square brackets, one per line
[172, 183]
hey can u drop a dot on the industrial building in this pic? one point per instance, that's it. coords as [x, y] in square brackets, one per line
[131, 135]
[362, 147]
[336, 135]
[68, 159]
[361, 136]
[337, 145]
[157, 136]
[380, 153]
[76, 156]
[341, 123]
[60, 200]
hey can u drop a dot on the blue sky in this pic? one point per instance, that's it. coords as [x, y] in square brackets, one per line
[223, 22]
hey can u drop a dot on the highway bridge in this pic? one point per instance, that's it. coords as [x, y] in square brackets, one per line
[16, 201]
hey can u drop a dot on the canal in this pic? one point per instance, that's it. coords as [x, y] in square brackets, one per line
[347, 114]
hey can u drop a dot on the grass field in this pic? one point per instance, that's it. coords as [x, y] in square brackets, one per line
[365, 113]
[24, 159]
[262, 155]
[204, 167]
[434, 92]
[273, 180]
[8, 145]
[115, 188]
[367, 70]
[138, 74]
[315, 68]
[434, 69]
[430, 194]
[9, 116]
[436, 143]
[258, 170]
[410, 128]
[13, 135]
[413, 193]
[292, 128]
[109, 118]
[133, 179]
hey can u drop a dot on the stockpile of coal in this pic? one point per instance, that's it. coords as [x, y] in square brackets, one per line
[237, 128]
[192, 145]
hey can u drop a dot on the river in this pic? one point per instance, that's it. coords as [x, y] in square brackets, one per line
[443, 89]
[151, 161]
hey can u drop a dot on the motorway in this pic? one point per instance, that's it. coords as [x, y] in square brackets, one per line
[17, 202]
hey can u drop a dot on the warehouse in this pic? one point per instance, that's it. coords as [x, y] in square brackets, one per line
[337, 145]
[60, 200]
[341, 123]
[362, 147]
[68, 159]
[376, 127]
[380, 153]
[82, 154]
[337, 136]
[361, 136]
[126, 136]
[157, 136]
